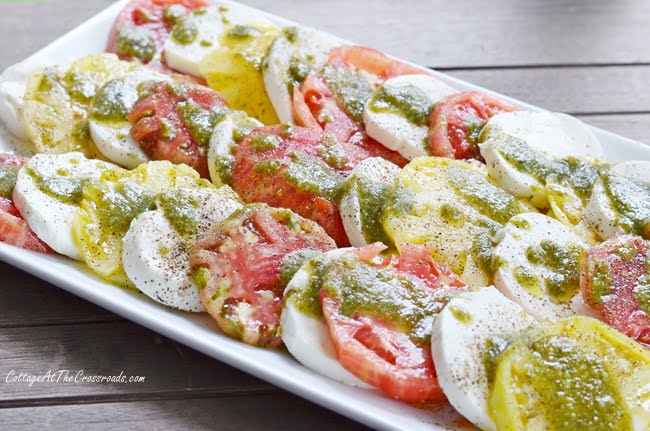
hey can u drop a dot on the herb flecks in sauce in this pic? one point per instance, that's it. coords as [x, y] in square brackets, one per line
[311, 175]
[630, 198]
[137, 42]
[563, 265]
[113, 102]
[351, 89]
[407, 101]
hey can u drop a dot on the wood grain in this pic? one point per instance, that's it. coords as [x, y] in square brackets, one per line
[281, 412]
[633, 126]
[107, 349]
[435, 33]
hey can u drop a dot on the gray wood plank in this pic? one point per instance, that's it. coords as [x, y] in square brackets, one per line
[28, 301]
[281, 412]
[611, 89]
[430, 32]
[633, 126]
[108, 349]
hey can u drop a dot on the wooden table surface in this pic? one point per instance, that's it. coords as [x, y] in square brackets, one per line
[590, 59]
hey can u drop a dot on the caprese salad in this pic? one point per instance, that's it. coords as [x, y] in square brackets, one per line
[389, 231]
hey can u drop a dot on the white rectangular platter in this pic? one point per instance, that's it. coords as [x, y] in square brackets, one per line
[198, 331]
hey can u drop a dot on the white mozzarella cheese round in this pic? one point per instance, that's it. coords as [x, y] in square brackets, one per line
[49, 216]
[462, 332]
[391, 128]
[522, 280]
[156, 256]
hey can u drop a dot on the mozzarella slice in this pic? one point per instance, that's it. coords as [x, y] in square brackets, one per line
[307, 338]
[600, 212]
[225, 137]
[388, 125]
[38, 195]
[527, 248]
[13, 83]
[156, 255]
[113, 139]
[296, 51]
[472, 325]
[361, 202]
[548, 134]
[208, 24]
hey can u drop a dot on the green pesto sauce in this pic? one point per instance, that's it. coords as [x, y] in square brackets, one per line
[642, 294]
[372, 196]
[113, 102]
[61, 188]
[311, 175]
[563, 263]
[493, 349]
[225, 166]
[307, 300]
[460, 314]
[181, 211]
[529, 279]
[167, 130]
[482, 247]
[173, 13]
[265, 142]
[382, 293]
[185, 31]
[351, 89]
[267, 167]
[8, 176]
[452, 215]
[481, 194]
[121, 203]
[292, 262]
[201, 277]
[601, 280]
[408, 101]
[199, 121]
[332, 151]
[299, 68]
[631, 200]
[579, 175]
[578, 388]
[243, 32]
[401, 200]
[137, 42]
[291, 34]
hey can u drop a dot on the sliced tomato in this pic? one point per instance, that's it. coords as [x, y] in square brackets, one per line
[144, 22]
[174, 121]
[292, 173]
[15, 231]
[373, 345]
[615, 282]
[455, 122]
[316, 105]
[243, 257]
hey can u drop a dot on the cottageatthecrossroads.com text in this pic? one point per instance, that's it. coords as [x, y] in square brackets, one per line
[69, 377]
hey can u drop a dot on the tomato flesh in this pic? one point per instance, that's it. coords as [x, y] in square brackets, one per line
[373, 348]
[455, 122]
[615, 282]
[273, 185]
[161, 130]
[243, 257]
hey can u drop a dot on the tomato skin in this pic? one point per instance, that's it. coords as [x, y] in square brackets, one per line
[134, 13]
[274, 189]
[451, 118]
[244, 257]
[161, 102]
[377, 352]
[619, 308]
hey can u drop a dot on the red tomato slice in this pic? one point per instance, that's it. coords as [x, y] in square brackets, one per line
[244, 256]
[15, 231]
[317, 105]
[174, 121]
[373, 348]
[291, 173]
[455, 122]
[148, 17]
[615, 281]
